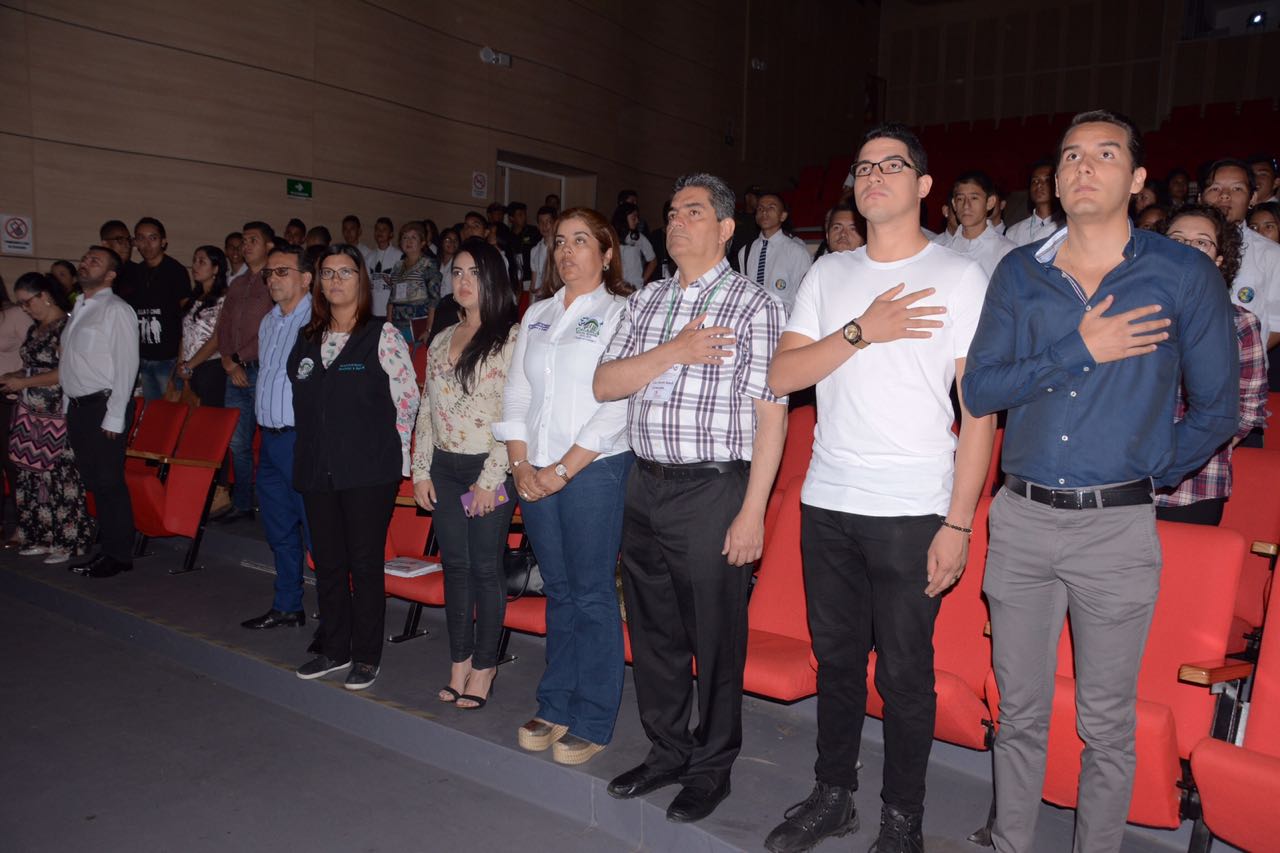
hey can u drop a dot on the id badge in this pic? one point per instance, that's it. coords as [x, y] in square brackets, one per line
[661, 388]
[402, 291]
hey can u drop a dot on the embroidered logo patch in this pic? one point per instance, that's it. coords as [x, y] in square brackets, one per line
[780, 284]
[350, 368]
[539, 327]
[305, 367]
[1245, 295]
[588, 329]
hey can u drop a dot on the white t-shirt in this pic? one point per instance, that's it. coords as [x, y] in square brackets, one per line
[635, 254]
[380, 263]
[883, 444]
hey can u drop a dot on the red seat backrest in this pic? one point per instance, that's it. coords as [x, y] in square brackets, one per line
[798, 447]
[959, 644]
[159, 427]
[1271, 438]
[420, 364]
[1263, 731]
[408, 533]
[777, 602]
[207, 434]
[1253, 511]
[206, 438]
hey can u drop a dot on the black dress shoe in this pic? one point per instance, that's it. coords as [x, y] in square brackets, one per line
[276, 619]
[693, 804]
[639, 781]
[109, 568]
[827, 813]
[83, 567]
[234, 516]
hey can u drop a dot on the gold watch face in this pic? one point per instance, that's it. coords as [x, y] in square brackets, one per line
[852, 333]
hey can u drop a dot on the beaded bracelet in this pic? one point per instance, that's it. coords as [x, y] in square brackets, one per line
[968, 530]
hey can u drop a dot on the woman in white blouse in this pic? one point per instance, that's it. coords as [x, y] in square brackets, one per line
[570, 457]
[460, 469]
[355, 396]
[199, 363]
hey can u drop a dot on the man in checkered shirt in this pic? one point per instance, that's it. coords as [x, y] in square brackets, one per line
[691, 354]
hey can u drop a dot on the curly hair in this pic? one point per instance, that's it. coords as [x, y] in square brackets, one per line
[1227, 236]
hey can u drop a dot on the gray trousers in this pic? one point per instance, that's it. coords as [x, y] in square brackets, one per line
[1102, 566]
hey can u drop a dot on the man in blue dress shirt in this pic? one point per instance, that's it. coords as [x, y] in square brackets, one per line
[1085, 339]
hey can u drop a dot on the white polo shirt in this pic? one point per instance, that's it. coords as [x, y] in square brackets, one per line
[1257, 284]
[883, 444]
[1031, 229]
[987, 248]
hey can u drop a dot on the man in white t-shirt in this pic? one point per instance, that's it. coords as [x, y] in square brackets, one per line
[380, 260]
[775, 261]
[890, 496]
[973, 198]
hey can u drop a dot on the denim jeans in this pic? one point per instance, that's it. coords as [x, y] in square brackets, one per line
[242, 440]
[155, 376]
[471, 549]
[284, 519]
[582, 685]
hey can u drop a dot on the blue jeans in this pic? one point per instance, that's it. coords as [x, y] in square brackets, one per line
[242, 440]
[284, 519]
[155, 376]
[582, 685]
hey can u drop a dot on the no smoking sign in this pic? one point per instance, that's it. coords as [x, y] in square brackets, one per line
[15, 234]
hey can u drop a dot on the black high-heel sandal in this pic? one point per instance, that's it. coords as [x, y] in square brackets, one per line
[453, 694]
[479, 701]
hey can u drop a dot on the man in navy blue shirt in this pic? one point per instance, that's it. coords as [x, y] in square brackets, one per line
[1085, 339]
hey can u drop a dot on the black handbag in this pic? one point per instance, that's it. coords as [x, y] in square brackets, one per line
[523, 577]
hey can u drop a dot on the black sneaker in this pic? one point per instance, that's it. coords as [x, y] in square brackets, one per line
[362, 675]
[899, 832]
[318, 666]
[829, 812]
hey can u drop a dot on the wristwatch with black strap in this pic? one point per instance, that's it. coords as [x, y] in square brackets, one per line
[853, 334]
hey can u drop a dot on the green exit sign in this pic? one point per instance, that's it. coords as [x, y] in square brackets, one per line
[297, 189]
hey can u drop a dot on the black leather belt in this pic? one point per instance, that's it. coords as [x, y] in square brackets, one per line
[275, 430]
[1126, 494]
[91, 398]
[691, 470]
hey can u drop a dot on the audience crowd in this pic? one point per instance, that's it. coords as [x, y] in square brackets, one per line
[627, 388]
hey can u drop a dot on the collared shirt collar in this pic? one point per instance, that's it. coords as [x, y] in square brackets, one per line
[304, 302]
[1049, 251]
[707, 278]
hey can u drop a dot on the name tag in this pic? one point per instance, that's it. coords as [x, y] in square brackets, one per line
[402, 292]
[350, 368]
[663, 387]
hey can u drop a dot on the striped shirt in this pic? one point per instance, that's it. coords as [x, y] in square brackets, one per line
[709, 416]
[273, 402]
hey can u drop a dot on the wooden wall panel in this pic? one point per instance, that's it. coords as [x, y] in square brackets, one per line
[15, 100]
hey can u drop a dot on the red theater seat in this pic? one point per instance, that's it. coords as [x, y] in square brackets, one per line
[175, 500]
[778, 638]
[1191, 623]
[1253, 511]
[1240, 787]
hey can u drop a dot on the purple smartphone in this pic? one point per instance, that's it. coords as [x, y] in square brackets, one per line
[499, 499]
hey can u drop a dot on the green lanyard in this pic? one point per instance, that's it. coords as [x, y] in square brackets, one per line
[675, 299]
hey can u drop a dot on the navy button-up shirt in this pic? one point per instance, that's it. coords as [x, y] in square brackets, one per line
[1073, 422]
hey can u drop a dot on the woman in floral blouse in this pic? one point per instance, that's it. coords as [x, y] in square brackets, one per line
[414, 282]
[354, 401]
[52, 518]
[460, 470]
[199, 363]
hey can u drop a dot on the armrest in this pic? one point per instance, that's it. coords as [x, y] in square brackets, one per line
[146, 454]
[192, 463]
[1264, 549]
[405, 500]
[1210, 672]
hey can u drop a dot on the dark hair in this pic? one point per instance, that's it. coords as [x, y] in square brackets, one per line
[1136, 151]
[450, 230]
[982, 179]
[619, 222]
[111, 225]
[846, 206]
[548, 210]
[475, 214]
[113, 260]
[1211, 172]
[606, 238]
[1261, 158]
[722, 199]
[1272, 207]
[624, 194]
[298, 253]
[70, 267]
[903, 134]
[497, 311]
[313, 254]
[154, 223]
[1228, 237]
[321, 232]
[321, 312]
[433, 230]
[37, 282]
[234, 235]
[385, 220]
[517, 205]
[219, 260]
[295, 222]
[268, 233]
[1175, 172]
[351, 217]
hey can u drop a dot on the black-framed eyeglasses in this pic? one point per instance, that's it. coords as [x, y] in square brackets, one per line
[278, 272]
[344, 273]
[23, 303]
[1200, 243]
[888, 166]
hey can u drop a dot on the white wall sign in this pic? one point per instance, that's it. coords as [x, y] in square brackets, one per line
[479, 185]
[15, 234]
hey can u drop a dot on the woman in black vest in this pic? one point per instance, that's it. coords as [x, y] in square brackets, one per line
[354, 402]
